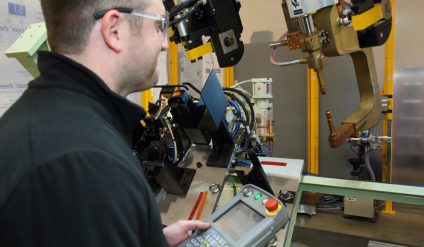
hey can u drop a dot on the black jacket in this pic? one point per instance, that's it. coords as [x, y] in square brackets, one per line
[68, 176]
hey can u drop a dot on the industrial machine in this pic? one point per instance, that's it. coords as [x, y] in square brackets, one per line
[320, 28]
[333, 28]
[261, 99]
[180, 118]
[177, 121]
[251, 218]
[363, 171]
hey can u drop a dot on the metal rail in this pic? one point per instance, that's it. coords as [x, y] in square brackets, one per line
[378, 191]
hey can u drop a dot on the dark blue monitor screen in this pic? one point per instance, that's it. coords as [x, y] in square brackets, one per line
[214, 98]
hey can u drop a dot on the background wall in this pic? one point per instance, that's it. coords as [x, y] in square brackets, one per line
[263, 21]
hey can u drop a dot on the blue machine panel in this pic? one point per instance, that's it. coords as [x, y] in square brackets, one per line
[214, 98]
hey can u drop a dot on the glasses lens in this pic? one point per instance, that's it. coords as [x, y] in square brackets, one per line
[166, 22]
[165, 26]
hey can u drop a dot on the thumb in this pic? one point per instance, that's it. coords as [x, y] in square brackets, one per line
[190, 225]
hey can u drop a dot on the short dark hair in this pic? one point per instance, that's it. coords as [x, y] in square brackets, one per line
[69, 22]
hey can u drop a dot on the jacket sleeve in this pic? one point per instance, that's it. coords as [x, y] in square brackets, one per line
[83, 199]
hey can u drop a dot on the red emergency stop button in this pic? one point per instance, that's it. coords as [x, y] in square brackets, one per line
[271, 204]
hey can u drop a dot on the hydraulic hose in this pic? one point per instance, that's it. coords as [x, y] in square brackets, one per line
[367, 163]
[247, 100]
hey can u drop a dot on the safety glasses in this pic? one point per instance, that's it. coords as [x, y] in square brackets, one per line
[164, 21]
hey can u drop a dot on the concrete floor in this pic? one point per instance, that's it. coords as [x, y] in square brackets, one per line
[406, 228]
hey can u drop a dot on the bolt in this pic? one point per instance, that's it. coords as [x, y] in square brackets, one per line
[228, 41]
[199, 164]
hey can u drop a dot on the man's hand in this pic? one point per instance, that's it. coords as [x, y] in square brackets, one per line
[180, 231]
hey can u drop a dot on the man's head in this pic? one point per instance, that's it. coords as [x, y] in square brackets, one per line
[118, 45]
[69, 22]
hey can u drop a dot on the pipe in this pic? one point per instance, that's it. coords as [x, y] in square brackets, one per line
[282, 64]
[367, 162]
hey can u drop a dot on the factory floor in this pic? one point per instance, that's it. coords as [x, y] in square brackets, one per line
[330, 228]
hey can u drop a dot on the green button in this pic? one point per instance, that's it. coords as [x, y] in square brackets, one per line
[258, 196]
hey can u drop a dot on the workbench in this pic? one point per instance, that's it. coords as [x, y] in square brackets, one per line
[284, 177]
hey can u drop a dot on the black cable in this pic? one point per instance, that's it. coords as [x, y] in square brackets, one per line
[180, 7]
[247, 100]
[351, 148]
[185, 15]
[171, 86]
[246, 121]
[193, 87]
[243, 107]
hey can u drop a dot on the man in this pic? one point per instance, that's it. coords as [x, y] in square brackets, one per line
[67, 173]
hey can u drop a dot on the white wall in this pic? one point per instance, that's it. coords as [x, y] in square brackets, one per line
[263, 21]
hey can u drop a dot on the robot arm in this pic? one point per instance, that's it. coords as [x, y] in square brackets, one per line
[326, 28]
[219, 20]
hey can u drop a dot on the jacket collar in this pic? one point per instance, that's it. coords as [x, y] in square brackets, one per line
[59, 71]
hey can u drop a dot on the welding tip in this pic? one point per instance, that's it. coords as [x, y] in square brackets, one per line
[321, 81]
[277, 44]
[331, 123]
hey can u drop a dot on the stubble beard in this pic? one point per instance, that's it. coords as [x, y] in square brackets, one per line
[136, 77]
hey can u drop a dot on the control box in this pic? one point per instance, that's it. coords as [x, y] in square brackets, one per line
[251, 218]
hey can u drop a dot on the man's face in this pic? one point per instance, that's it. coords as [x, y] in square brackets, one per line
[145, 44]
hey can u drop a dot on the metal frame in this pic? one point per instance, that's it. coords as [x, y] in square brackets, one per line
[343, 187]
[313, 122]
[199, 51]
[173, 61]
[388, 117]
[228, 76]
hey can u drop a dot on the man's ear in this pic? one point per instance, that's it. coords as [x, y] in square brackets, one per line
[112, 28]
